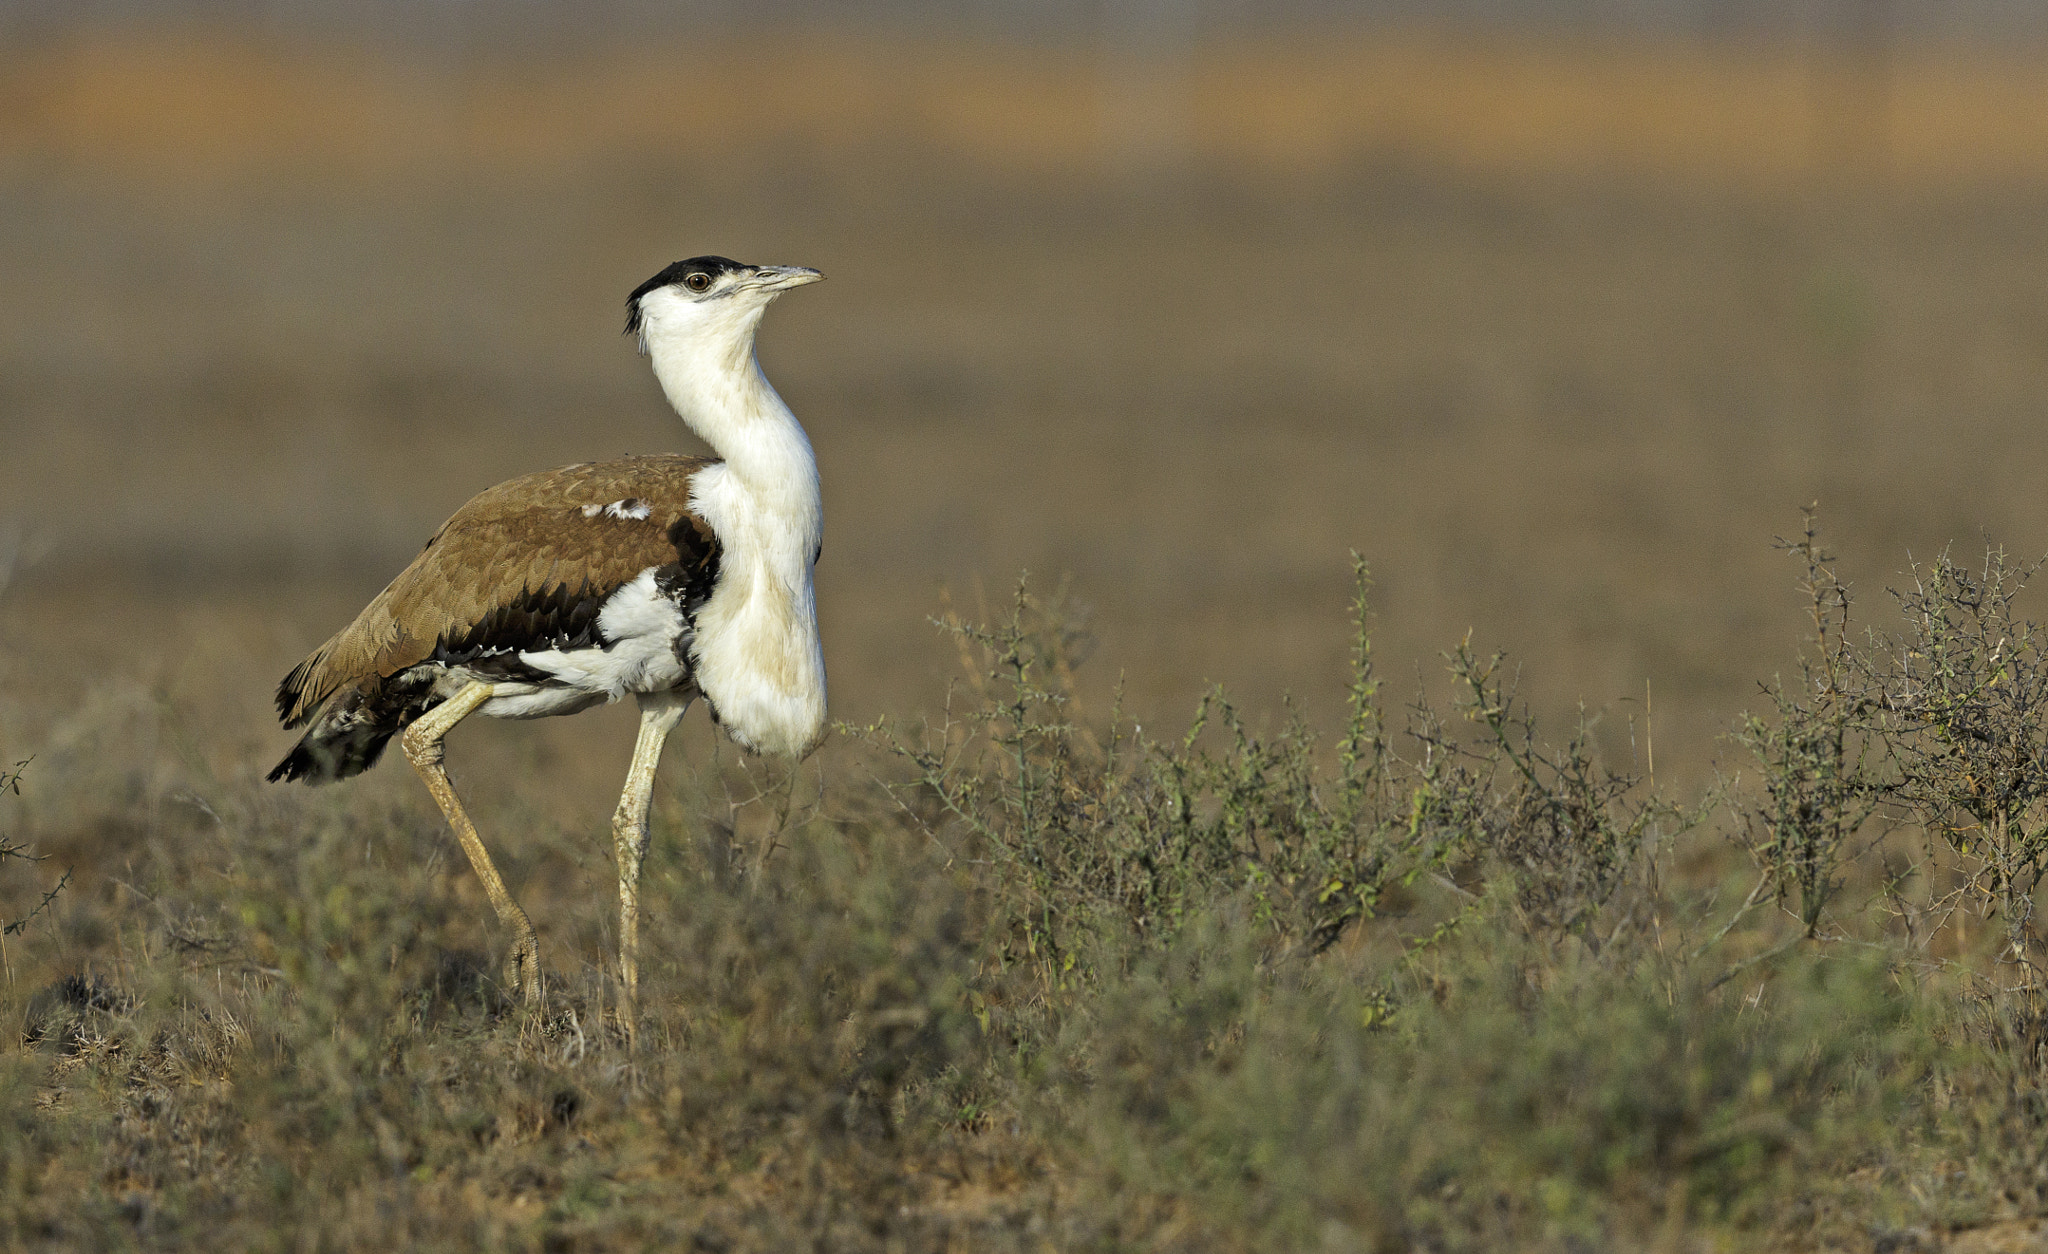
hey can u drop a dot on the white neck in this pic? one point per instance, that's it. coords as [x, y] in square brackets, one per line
[755, 648]
[708, 370]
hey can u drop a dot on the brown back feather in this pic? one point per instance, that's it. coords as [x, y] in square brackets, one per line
[523, 544]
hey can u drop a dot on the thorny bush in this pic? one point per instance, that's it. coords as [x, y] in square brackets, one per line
[1937, 730]
[1091, 830]
[10, 784]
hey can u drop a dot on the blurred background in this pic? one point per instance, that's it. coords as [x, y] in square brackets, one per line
[1555, 310]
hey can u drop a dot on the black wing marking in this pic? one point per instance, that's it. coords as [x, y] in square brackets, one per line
[551, 618]
[689, 580]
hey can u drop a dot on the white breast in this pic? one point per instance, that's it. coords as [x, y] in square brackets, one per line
[756, 653]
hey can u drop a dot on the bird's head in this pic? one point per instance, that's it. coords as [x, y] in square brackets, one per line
[711, 301]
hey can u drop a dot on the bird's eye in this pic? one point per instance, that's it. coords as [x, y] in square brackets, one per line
[698, 281]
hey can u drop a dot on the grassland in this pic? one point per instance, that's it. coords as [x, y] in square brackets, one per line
[272, 314]
[1007, 977]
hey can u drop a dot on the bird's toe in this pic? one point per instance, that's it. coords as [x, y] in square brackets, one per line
[522, 971]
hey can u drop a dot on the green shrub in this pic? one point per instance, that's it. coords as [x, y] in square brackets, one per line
[1087, 829]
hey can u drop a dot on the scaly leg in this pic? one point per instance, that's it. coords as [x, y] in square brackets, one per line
[659, 714]
[422, 743]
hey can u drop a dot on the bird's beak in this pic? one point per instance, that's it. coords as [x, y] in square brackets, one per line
[782, 278]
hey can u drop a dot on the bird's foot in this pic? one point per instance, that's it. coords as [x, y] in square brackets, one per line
[522, 970]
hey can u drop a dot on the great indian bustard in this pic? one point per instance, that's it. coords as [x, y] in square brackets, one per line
[668, 577]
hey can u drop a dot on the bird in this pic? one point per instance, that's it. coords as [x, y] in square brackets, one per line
[669, 577]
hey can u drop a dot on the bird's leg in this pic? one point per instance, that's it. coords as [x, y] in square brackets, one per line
[659, 714]
[422, 743]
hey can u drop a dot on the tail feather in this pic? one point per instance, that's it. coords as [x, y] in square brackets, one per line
[345, 739]
[295, 705]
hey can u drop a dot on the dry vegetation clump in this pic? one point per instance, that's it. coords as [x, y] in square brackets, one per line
[1029, 979]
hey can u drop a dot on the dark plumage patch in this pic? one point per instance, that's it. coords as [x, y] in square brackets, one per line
[553, 618]
[676, 273]
[688, 580]
[349, 735]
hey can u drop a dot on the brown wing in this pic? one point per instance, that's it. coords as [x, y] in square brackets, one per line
[524, 565]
